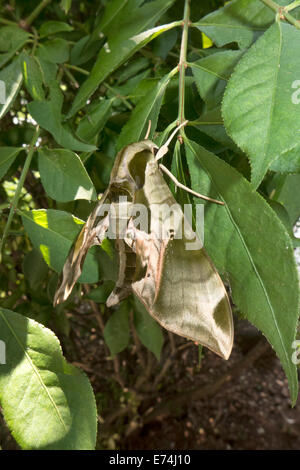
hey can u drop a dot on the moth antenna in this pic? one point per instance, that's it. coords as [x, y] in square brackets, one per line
[188, 190]
[165, 147]
[148, 130]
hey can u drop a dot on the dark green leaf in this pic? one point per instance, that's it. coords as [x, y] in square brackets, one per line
[34, 268]
[122, 46]
[116, 332]
[47, 115]
[94, 120]
[63, 175]
[7, 157]
[258, 108]
[55, 50]
[238, 21]
[11, 77]
[53, 27]
[33, 76]
[147, 109]
[148, 329]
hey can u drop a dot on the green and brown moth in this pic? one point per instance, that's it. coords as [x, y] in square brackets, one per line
[179, 287]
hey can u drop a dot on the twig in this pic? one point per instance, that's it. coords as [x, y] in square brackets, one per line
[35, 13]
[20, 185]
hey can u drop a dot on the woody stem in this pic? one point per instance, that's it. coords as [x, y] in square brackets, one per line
[182, 63]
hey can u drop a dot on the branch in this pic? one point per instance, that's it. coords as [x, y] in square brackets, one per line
[182, 63]
[282, 11]
[20, 185]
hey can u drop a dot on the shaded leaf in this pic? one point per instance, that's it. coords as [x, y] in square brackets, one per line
[148, 330]
[53, 27]
[12, 78]
[7, 157]
[12, 39]
[33, 76]
[238, 21]
[55, 50]
[47, 115]
[147, 109]
[94, 120]
[116, 332]
[63, 175]
[212, 73]
[34, 268]
[122, 46]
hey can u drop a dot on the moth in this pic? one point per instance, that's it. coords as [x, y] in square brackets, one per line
[180, 288]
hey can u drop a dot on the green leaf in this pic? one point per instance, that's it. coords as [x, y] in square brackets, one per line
[116, 14]
[7, 157]
[55, 50]
[34, 268]
[148, 329]
[238, 21]
[212, 73]
[63, 175]
[47, 403]
[47, 115]
[122, 46]
[66, 5]
[33, 76]
[116, 332]
[54, 27]
[94, 120]
[258, 109]
[246, 240]
[147, 109]
[12, 39]
[288, 162]
[53, 232]
[12, 78]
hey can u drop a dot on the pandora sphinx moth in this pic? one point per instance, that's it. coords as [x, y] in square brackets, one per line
[180, 288]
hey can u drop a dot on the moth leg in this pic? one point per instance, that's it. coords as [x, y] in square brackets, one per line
[126, 272]
[188, 190]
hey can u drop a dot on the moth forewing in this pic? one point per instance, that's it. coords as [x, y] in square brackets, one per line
[181, 288]
[92, 233]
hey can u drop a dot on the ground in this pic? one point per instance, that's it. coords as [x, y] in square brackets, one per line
[250, 411]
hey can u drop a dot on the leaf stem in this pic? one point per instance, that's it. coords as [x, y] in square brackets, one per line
[8, 22]
[19, 187]
[111, 89]
[282, 11]
[182, 63]
[35, 13]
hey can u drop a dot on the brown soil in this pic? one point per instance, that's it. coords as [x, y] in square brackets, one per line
[250, 411]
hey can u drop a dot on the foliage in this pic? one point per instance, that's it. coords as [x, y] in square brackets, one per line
[83, 79]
